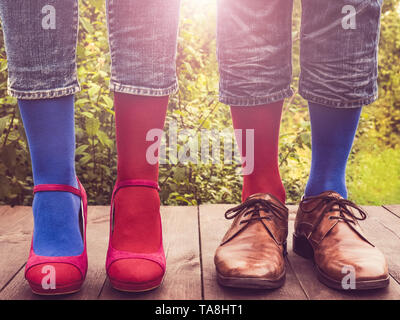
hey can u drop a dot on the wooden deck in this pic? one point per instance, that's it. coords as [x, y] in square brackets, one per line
[191, 235]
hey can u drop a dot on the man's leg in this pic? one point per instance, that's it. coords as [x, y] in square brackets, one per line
[333, 131]
[265, 120]
[254, 53]
[338, 77]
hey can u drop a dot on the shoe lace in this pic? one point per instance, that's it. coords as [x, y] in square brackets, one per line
[252, 208]
[333, 204]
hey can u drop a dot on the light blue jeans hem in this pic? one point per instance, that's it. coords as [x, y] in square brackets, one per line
[141, 91]
[44, 94]
[255, 101]
[338, 104]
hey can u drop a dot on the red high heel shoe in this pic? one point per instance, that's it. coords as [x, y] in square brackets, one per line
[121, 276]
[59, 275]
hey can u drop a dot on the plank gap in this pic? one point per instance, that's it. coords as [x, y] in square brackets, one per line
[300, 282]
[200, 254]
[12, 277]
[394, 209]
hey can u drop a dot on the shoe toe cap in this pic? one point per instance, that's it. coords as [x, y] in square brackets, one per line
[362, 265]
[135, 271]
[250, 266]
[48, 277]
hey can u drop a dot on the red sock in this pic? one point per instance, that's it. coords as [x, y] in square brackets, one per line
[265, 120]
[136, 226]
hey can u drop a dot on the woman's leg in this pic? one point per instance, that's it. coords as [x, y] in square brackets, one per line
[49, 127]
[137, 209]
[40, 44]
[143, 39]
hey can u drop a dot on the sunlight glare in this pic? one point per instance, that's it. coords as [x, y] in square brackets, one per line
[198, 3]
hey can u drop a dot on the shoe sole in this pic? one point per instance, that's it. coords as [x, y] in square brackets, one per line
[135, 287]
[63, 290]
[302, 247]
[250, 283]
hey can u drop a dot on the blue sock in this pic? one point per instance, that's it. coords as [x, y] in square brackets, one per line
[333, 132]
[49, 126]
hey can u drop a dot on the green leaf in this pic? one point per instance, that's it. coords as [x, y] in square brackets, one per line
[81, 149]
[92, 126]
[104, 139]
[86, 25]
[3, 123]
[108, 101]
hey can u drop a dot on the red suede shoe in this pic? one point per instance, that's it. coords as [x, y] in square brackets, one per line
[59, 275]
[134, 272]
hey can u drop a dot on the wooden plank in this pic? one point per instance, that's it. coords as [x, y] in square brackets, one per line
[304, 270]
[97, 239]
[213, 226]
[181, 245]
[182, 248]
[383, 228]
[12, 216]
[385, 217]
[395, 209]
[15, 238]
[4, 214]
[97, 242]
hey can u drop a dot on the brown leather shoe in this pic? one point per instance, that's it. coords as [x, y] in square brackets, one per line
[327, 231]
[252, 251]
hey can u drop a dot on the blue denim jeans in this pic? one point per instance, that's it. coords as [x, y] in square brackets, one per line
[41, 38]
[338, 41]
[40, 55]
[338, 59]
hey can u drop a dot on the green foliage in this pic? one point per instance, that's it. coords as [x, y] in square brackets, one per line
[373, 174]
[15, 172]
[374, 177]
[96, 151]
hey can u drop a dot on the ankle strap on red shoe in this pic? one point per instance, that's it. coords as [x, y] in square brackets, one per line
[57, 187]
[61, 187]
[129, 183]
[135, 183]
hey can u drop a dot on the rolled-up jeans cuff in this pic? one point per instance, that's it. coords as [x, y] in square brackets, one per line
[255, 101]
[338, 104]
[143, 91]
[44, 94]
